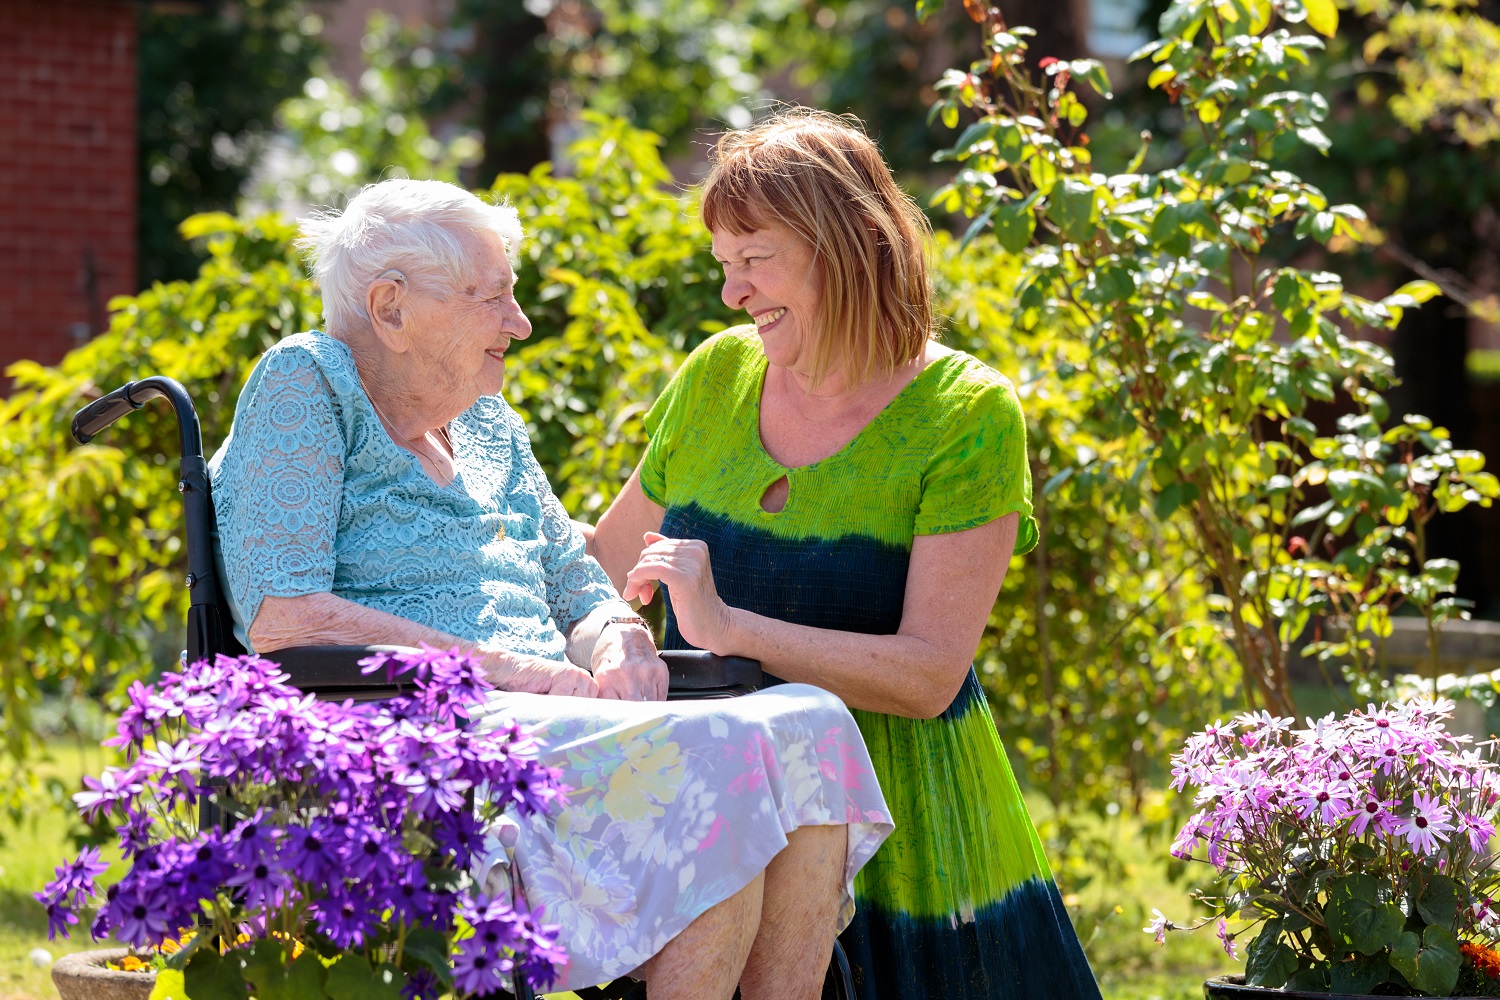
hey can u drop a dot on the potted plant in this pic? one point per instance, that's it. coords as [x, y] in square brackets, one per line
[1359, 847]
[339, 871]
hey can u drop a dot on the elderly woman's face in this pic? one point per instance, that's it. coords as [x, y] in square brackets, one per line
[461, 336]
[770, 274]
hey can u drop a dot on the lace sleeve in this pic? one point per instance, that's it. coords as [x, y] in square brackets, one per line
[277, 486]
[576, 583]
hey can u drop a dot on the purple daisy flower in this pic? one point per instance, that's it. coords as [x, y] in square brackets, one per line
[422, 984]
[138, 918]
[1427, 827]
[264, 884]
[307, 852]
[476, 971]
[114, 787]
[409, 896]
[59, 918]
[1479, 831]
[345, 918]
[1226, 939]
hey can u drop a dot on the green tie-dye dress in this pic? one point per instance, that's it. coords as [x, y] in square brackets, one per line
[959, 902]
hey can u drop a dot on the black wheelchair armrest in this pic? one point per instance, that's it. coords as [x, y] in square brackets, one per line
[697, 673]
[334, 672]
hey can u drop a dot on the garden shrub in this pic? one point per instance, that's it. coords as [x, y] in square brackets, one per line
[1202, 362]
[619, 283]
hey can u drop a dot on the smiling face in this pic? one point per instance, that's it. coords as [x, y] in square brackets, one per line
[772, 275]
[460, 336]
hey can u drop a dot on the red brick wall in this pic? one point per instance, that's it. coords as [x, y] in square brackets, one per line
[67, 171]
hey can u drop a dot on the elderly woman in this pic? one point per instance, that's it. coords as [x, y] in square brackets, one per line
[376, 489]
[834, 493]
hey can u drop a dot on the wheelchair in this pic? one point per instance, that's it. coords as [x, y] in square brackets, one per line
[334, 671]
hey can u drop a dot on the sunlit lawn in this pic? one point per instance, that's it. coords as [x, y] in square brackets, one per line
[1129, 964]
[27, 856]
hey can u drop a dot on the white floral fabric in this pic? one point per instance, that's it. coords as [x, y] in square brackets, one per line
[676, 806]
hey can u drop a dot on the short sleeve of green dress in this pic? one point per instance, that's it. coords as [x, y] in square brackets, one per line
[959, 902]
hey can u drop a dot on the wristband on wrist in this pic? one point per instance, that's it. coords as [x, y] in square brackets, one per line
[626, 620]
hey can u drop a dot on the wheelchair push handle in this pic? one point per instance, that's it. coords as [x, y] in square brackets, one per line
[95, 417]
[98, 415]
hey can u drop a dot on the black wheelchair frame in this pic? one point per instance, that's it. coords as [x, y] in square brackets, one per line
[334, 671]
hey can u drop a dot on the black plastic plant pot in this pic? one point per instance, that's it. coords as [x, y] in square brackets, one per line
[1234, 988]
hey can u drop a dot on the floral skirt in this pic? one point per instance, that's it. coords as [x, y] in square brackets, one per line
[675, 807]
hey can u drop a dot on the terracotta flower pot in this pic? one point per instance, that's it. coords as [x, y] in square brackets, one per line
[82, 976]
[1234, 988]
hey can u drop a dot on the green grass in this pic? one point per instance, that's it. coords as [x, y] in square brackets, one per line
[1111, 908]
[28, 854]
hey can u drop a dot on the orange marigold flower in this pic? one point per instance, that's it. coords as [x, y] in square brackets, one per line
[1484, 960]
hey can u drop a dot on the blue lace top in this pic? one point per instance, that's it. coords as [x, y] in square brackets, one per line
[313, 496]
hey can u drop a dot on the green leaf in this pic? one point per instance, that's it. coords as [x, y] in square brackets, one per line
[1357, 919]
[1174, 226]
[430, 948]
[1179, 19]
[1092, 71]
[1309, 978]
[207, 224]
[1430, 963]
[1438, 903]
[168, 986]
[1419, 291]
[1043, 173]
[1268, 962]
[180, 958]
[1010, 140]
[1053, 484]
[275, 979]
[976, 133]
[1160, 75]
[1359, 974]
[977, 226]
[1174, 496]
[351, 978]
[211, 976]
[1014, 223]
[1315, 137]
[1322, 17]
[1075, 210]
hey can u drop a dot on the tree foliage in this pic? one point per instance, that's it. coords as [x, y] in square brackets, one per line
[1446, 56]
[209, 85]
[340, 137]
[1204, 360]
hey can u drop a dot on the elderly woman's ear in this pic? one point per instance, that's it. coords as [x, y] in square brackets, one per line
[384, 301]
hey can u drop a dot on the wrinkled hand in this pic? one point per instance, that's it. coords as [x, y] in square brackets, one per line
[626, 666]
[534, 675]
[682, 566]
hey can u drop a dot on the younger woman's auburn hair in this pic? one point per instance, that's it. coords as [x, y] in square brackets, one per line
[821, 176]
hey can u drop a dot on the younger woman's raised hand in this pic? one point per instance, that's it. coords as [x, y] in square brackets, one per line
[682, 566]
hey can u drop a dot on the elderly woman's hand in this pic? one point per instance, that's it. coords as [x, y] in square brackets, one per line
[626, 666]
[534, 675]
[682, 566]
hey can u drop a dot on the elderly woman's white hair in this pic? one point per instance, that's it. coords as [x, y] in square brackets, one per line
[424, 229]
